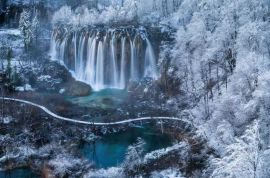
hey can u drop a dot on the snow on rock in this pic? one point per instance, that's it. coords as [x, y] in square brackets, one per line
[164, 151]
[27, 151]
[19, 153]
[62, 90]
[167, 173]
[11, 38]
[26, 87]
[67, 164]
[145, 90]
[44, 78]
[113, 172]
[48, 78]
[47, 82]
[7, 120]
[90, 137]
[10, 32]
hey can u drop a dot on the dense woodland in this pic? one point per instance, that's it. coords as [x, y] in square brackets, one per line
[213, 64]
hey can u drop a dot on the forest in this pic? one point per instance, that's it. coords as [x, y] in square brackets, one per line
[134, 88]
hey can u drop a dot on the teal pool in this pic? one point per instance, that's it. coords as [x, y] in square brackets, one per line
[18, 173]
[107, 98]
[110, 150]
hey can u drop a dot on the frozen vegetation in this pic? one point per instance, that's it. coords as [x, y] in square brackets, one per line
[212, 59]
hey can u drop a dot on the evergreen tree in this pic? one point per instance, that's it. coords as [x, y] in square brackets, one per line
[135, 154]
[9, 69]
[25, 27]
[35, 28]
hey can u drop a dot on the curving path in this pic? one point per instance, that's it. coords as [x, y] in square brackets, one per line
[87, 122]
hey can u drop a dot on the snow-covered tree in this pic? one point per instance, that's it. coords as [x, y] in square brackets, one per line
[134, 153]
[242, 157]
[151, 11]
[263, 170]
[35, 28]
[25, 27]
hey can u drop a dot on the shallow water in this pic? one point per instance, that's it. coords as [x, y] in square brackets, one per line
[105, 99]
[18, 173]
[110, 150]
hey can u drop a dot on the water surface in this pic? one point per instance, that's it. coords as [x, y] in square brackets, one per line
[110, 150]
[107, 98]
[18, 173]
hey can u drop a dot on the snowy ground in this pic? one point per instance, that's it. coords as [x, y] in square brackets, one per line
[15, 32]
[11, 38]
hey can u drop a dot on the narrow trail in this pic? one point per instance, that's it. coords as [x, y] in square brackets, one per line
[87, 122]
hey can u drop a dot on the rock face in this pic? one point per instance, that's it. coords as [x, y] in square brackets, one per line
[55, 78]
[146, 88]
[76, 88]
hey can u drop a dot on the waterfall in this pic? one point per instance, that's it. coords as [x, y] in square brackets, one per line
[78, 55]
[88, 58]
[100, 67]
[114, 63]
[122, 72]
[62, 50]
[133, 69]
[150, 61]
[53, 46]
[80, 66]
[74, 40]
[105, 59]
[90, 65]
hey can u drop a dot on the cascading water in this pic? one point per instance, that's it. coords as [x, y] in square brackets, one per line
[89, 70]
[62, 49]
[114, 63]
[75, 51]
[133, 66]
[79, 70]
[54, 44]
[150, 61]
[105, 59]
[100, 68]
[122, 71]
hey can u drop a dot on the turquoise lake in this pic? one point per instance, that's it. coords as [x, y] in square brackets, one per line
[110, 150]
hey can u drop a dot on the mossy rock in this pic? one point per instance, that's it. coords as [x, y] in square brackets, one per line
[77, 88]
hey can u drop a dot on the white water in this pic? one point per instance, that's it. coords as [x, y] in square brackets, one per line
[133, 69]
[90, 65]
[53, 46]
[74, 40]
[150, 61]
[114, 63]
[80, 65]
[122, 73]
[108, 61]
[62, 50]
[100, 68]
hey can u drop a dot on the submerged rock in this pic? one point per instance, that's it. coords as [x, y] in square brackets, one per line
[76, 88]
[107, 101]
